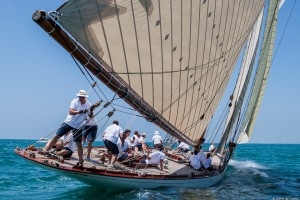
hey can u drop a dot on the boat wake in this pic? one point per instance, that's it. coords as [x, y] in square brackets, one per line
[249, 166]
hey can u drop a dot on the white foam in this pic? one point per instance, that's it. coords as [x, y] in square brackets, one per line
[249, 165]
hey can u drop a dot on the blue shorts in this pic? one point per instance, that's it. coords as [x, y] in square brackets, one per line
[69, 152]
[65, 128]
[139, 146]
[89, 133]
[113, 148]
[121, 158]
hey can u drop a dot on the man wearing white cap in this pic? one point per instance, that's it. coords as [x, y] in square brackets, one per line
[157, 139]
[77, 115]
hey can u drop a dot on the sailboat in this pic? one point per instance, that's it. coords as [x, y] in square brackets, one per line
[171, 62]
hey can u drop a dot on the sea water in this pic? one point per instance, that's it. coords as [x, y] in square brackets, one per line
[256, 171]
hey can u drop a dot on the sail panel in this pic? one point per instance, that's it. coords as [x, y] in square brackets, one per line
[176, 55]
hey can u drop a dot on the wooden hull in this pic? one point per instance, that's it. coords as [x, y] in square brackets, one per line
[120, 179]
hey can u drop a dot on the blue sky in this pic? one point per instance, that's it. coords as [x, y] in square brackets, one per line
[38, 79]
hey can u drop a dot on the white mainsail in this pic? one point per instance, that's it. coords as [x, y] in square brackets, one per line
[174, 56]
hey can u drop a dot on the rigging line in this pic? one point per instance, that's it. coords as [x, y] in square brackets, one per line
[172, 63]
[103, 124]
[285, 27]
[222, 118]
[88, 79]
[122, 40]
[189, 58]
[180, 62]
[137, 47]
[136, 115]
[162, 52]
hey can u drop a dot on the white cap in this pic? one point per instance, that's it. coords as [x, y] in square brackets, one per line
[156, 133]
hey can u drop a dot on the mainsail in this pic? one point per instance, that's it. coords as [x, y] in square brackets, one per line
[261, 78]
[170, 60]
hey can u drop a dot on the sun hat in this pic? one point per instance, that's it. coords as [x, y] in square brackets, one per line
[144, 134]
[156, 133]
[82, 93]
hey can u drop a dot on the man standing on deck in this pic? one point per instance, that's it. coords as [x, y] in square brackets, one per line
[157, 140]
[110, 139]
[77, 115]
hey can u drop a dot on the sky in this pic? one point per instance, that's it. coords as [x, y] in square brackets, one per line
[38, 79]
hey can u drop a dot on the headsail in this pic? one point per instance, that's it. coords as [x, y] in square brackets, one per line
[261, 78]
[239, 94]
[170, 60]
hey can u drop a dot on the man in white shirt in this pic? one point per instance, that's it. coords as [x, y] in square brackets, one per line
[65, 146]
[196, 160]
[110, 138]
[78, 112]
[123, 146]
[183, 147]
[157, 139]
[156, 157]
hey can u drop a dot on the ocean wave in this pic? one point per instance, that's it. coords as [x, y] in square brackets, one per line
[249, 166]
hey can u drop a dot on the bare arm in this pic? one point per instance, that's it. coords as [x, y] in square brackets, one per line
[73, 111]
